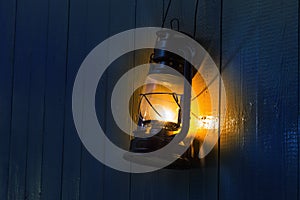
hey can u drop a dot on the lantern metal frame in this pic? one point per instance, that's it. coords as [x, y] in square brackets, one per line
[163, 137]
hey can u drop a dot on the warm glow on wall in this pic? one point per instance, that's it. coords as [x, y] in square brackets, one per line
[201, 119]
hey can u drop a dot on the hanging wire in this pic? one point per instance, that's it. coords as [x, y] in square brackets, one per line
[165, 17]
[195, 19]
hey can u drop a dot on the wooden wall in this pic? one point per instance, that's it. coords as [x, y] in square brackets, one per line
[42, 44]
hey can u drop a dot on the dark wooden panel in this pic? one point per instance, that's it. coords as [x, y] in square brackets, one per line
[238, 38]
[259, 150]
[54, 99]
[7, 32]
[149, 13]
[27, 113]
[236, 134]
[36, 105]
[72, 147]
[41, 156]
[122, 18]
[92, 171]
[277, 116]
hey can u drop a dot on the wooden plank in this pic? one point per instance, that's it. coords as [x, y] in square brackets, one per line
[259, 147]
[173, 184]
[288, 100]
[24, 177]
[36, 107]
[54, 100]
[92, 171]
[263, 131]
[122, 18]
[236, 133]
[35, 129]
[277, 115]
[72, 147]
[7, 41]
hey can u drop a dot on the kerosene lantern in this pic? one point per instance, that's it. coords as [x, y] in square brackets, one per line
[165, 100]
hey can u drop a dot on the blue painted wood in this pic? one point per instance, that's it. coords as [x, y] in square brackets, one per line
[142, 186]
[259, 160]
[41, 156]
[122, 17]
[277, 100]
[238, 134]
[72, 147]
[92, 171]
[172, 183]
[36, 100]
[7, 41]
[28, 91]
[57, 46]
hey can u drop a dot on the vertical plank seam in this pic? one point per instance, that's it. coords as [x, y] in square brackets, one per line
[27, 129]
[134, 57]
[82, 148]
[65, 94]
[108, 28]
[24, 193]
[298, 184]
[12, 94]
[80, 171]
[219, 108]
[257, 62]
[44, 103]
